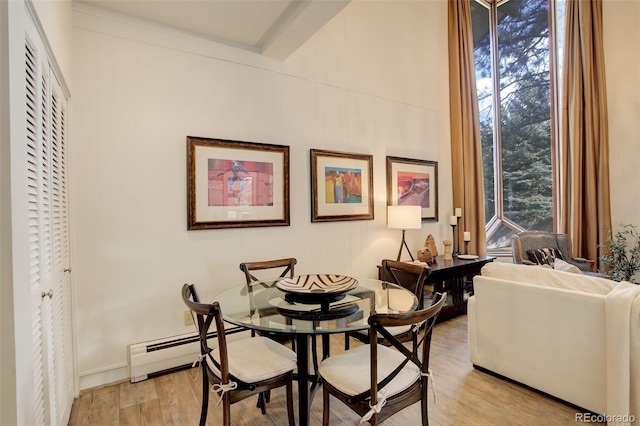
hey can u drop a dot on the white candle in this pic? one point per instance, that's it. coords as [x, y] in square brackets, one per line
[454, 220]
[467, 236]
[458, 212]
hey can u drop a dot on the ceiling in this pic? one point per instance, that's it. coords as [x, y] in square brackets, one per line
[274, 28]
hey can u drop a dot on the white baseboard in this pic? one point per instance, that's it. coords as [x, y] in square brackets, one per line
[99, 378]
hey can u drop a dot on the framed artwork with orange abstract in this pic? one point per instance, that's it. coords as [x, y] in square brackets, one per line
[412, 182]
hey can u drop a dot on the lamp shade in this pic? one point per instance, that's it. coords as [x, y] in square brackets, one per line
[404, 217]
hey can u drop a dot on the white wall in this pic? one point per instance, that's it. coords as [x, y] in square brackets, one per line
[55, 18]
[6, 351]
[622, 56]
[373, 80]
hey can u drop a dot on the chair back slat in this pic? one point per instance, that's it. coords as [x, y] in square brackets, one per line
[391, 269]
[425, 319]
[287, 264]
[207, 314]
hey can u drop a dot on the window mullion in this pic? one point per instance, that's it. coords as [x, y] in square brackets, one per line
[497, 137]
[554, 80]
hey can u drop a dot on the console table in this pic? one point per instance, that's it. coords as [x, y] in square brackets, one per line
[453, 276]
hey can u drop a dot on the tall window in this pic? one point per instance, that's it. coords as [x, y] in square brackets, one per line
[514, 82]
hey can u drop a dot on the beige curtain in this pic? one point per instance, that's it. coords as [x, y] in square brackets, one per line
[584, 168]
[466, 150]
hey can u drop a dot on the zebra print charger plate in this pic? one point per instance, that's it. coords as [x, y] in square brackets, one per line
[317, 284]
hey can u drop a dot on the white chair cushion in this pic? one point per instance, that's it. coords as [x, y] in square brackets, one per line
[257, 358]
[350, 371]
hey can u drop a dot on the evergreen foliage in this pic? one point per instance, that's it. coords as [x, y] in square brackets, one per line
[621, 258]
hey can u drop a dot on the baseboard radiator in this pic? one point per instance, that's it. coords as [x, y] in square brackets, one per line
[161, 356]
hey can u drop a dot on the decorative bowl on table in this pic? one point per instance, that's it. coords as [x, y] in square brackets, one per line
[316, 287]
[317, 284]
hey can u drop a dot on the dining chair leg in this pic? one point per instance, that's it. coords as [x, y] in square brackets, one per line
[226, 411]
[261, 404]
[205, 396]
[326, 348]
[290, 415]
[424, 404]
[325, 407]
[314, 354]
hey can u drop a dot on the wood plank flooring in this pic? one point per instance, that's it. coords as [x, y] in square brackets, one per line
[465, 396]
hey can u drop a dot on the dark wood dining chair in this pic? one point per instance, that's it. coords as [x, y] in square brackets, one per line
[409, 275]
[377, 381]
[286, 269]
[239, 369]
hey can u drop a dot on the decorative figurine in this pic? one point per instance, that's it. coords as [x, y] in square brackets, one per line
[430, 243]
[447, 250]
[429, 252]
[425, 255]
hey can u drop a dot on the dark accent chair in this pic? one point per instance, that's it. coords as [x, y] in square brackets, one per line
[532, 240]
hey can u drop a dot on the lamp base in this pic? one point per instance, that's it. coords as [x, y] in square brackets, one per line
[404, 244]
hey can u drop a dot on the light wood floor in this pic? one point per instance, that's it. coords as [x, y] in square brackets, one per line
[465, 396]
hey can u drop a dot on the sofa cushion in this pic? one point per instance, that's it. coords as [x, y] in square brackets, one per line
[543, 256]
[548, 277]
[561, 265]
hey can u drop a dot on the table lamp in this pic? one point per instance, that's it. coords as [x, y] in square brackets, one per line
[404, 217]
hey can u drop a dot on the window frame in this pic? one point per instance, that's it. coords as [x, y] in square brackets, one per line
[498, 218]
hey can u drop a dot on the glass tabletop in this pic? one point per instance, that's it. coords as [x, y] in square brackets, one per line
[262, 306]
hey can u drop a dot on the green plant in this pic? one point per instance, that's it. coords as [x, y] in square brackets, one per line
[621, 258]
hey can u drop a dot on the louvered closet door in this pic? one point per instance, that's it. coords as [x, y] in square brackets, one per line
[59, 339]
[49, 237]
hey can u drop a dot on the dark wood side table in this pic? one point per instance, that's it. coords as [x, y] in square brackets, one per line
[453, 276]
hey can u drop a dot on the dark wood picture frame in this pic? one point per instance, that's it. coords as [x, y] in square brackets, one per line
[413, 182]
[236, 184]
[341, 186]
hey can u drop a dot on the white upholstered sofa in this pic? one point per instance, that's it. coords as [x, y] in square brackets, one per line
[571, 336]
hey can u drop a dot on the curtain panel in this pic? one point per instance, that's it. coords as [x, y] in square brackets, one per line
[466, 149]
[584, 153]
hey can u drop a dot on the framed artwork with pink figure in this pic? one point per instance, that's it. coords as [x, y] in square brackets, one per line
[412, 182]
[235, 184]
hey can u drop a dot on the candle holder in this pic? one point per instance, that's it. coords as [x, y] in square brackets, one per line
[456, 240]
[466, 247]
[453, 231]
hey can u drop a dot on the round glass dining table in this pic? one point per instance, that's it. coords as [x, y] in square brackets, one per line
[262, 306]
